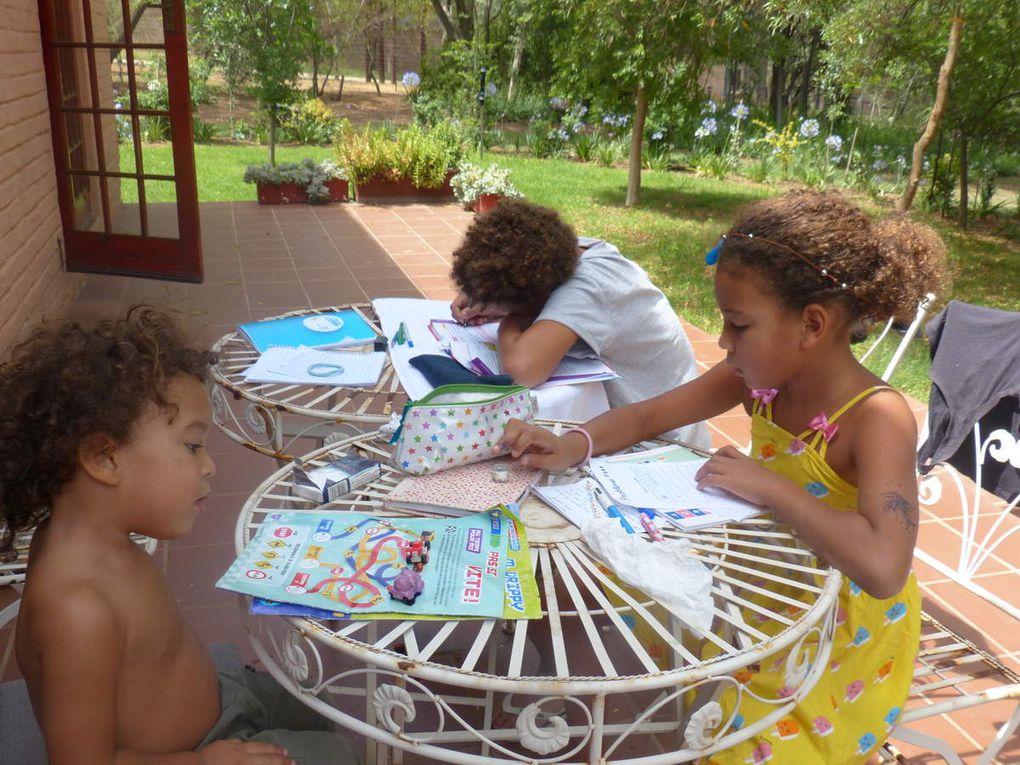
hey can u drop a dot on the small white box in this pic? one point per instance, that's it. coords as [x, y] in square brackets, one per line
[325, 483]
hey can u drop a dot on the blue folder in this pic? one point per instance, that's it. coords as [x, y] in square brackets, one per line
[333, 329]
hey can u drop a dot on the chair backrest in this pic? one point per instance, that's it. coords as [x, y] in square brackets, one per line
[908, 336]
[982, 520]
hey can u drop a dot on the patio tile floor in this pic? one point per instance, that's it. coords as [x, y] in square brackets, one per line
[261, 261]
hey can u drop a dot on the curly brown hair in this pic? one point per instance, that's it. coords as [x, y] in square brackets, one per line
[68, 382]
[515, 255]
[887, 266]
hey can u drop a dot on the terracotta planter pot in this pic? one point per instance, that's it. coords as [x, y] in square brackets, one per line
[281, 194]
[485, 202]
[337, 190]
[377, 188]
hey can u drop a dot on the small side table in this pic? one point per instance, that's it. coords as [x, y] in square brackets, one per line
[253, 414]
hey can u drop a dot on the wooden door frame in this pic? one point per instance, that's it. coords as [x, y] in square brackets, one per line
[106, 251]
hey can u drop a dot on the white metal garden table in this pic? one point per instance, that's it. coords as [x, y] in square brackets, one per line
[253, 414]
[468, 692]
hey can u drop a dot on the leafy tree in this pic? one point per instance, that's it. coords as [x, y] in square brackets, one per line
[263, 43]
[635, 51]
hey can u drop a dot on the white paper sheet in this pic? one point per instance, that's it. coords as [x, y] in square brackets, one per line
[666, 486]
[284, 364]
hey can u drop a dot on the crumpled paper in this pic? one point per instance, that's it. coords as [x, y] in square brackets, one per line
[667, 571]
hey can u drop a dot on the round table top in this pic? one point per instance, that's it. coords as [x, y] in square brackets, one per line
[601, 633]
[329, 403]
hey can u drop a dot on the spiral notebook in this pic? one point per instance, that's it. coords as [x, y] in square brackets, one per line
[332, 329]
[462, 490]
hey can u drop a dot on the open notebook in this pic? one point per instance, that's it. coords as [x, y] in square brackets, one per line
[462, 490]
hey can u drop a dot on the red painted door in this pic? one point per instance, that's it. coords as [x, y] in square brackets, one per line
[117, 80]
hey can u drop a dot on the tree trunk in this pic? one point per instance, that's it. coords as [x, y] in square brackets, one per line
[315, 75]
[964, 191]
[515, 62]
[368, 62]
[272, 136]
[449, 32]
[935, 168]
[809, 68]
[636, 136]
[941, 96]
[776, 96]
[393, 48]
[340, 93]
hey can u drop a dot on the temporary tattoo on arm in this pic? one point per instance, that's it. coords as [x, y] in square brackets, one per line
[895, 502]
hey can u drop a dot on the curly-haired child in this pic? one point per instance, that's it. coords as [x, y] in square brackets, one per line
[102, 434]
[832, 453]
[555, 293]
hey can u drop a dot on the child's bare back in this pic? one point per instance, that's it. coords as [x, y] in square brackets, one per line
[104, 608]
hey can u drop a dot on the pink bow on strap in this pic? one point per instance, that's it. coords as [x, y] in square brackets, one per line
[765, 394]
[821, 422]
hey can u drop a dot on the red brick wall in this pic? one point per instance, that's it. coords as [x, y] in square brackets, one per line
[33, 284]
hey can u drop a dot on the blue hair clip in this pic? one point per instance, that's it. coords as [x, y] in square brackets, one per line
[713, 255]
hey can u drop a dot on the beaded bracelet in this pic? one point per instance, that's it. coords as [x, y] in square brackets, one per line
[587, 437]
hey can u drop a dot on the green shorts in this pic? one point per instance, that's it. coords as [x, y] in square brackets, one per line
[254, 707]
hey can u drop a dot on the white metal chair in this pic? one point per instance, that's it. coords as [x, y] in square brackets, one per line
[951, 667]
[908, 336]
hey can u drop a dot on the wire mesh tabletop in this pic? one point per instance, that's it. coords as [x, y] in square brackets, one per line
[606, 675]
[252, 413]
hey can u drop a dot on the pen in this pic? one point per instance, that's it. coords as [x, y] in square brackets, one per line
[612, 510]
[647, 521]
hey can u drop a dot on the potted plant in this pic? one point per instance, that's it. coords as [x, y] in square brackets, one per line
[294, 183]
[412, 162]
[481, 188]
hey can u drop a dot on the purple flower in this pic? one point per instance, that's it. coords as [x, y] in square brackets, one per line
[809, 128]
[740, 111]
[834, 142]
[410, 80]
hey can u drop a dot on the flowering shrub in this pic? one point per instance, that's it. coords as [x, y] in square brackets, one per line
[309, 174]
[410, 80]
[471, 181]
[311, 121]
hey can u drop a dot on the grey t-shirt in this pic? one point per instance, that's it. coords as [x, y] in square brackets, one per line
[621, 317]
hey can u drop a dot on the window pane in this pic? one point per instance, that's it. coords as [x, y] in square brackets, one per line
[87, 204]
[158, 158]
[161, 204]
[124, 206]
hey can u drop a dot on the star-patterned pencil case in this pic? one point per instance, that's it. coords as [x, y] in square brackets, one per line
[456, 425]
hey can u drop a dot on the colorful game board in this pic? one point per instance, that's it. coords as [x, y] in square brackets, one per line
[343, 562]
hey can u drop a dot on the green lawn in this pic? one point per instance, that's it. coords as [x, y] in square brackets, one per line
[680, 217]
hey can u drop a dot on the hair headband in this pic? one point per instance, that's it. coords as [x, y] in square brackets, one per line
[713, 256]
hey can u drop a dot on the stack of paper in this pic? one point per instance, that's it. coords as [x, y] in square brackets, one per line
[310, 366]
[475, 349]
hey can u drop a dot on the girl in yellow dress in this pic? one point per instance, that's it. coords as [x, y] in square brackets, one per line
[832, 449]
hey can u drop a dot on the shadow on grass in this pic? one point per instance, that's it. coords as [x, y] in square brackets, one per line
[696, 203]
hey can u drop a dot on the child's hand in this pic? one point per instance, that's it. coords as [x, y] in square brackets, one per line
[537, 447]
[735, 472]
[230, 752]
[466, 312]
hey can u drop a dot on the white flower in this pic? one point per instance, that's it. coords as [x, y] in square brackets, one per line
[710, 107]
[490, 89]
[657, 135]
[558, 103]
[740, 111]
[901, 161]
[879, 165]
[809, 128]
[410, 80]
[834, 142]
[837, 159]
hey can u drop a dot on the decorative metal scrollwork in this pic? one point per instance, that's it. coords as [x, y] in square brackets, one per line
[703, 728]
[541, 739]
[390, 698]
[294, 655]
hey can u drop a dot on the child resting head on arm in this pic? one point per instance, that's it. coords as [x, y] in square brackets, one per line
[103, 435]
[555, 294]
[833, 447]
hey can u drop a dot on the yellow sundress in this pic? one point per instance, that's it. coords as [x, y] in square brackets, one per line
[858, 700]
